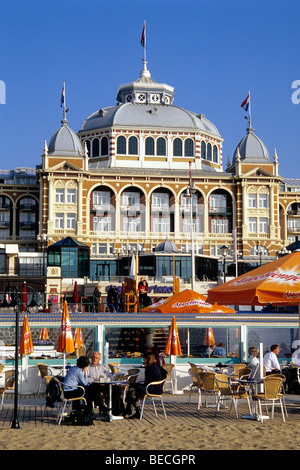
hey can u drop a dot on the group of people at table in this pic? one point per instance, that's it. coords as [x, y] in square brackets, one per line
[83, 380]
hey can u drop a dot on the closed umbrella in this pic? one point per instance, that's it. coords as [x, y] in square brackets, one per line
[173, 347]
[26, 344]
[208, 339]
[65, 340]
[44, 334]
[75, 293]
[78, 338]
[24, 297]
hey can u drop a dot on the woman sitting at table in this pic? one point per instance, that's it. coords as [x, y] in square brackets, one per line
[153, 373]
[76, 385]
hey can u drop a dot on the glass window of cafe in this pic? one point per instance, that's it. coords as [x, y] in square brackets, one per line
[286, 338]
[43, 348]
[196, 342]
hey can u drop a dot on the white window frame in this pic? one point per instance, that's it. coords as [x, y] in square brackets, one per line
[59, 221]
[262, 201]
[263, 225]
[219, 225]
[252, 225]
[161, 224]
[102, 224]
[252, 201]
[59, 196]
[71, 196]
[71, 221]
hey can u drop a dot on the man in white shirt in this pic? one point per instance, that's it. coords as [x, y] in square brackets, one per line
[270, 360]
[97, 370]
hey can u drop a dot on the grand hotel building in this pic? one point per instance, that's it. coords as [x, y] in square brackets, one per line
[120, 184]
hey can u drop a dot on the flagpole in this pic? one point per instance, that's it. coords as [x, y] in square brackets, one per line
[249, 110]
[145, 53]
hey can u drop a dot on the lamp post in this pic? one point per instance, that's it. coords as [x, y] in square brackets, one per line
[259, 251]
[43, 240]
[224, 251]
[189, 193]
[15, 421]
[282, 252]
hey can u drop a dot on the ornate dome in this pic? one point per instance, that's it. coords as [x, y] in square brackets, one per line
[65, 142]
[146, 103]
[251, 148]
[167, 247]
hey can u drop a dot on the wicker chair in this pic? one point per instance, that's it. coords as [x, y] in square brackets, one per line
[169, 368]
[65, 402]
[208, 385]
[153, 396]
[230, 390]
[196, 384]
[271, 395]
[114, 367]
[9, 385]
[46, 375]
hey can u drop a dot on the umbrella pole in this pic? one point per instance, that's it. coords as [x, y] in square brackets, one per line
[175, 391]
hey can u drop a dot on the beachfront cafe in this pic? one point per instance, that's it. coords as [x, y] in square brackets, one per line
[122, 338]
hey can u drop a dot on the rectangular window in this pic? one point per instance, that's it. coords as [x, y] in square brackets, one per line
[252, 225]
[131, 200]
[252, 201]
[102, 224]
[59, 221]
[59, 196]
[71, 221]
[219, 226]
[262, 201]
[71, 196]
[102, 199]
[160, 201]
[217, 203]
[132, 224]
[161, 224]
[263, 225]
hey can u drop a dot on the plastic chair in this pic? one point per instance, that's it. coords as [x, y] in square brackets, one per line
[231, 391]
[153, 396]
[169, 368]
[271, 395]
[46, 375]
[9, 385]
[65, 402]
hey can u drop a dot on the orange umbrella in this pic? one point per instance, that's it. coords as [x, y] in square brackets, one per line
[277, 282]
[26, 345]
[209, 339]
[187, 301]
[75, 293]
[78, 338]
[44, 334]
[65, 340]
[173, 347]
[24, 298]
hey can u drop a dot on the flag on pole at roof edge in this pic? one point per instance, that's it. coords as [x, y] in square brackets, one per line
[62, 98]
[143, 38]
[246, 102]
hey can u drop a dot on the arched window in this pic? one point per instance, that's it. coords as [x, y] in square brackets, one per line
[104, 146]
[189, 148]
[177, 148]
[149, 146]
[95, 148]
[209, 152]
[161, 146]
[203, 150]
[121, 145]
[133, 145]
[215, 154]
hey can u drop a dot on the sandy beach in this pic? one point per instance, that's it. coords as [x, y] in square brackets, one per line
[186, 429]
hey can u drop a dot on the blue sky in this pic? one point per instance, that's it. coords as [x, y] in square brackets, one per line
[212, 52]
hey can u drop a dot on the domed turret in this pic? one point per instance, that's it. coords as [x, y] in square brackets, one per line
[251, 148]
[65, 142]
[167, 247]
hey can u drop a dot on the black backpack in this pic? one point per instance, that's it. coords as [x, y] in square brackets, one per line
[54, 392]
[82, 417]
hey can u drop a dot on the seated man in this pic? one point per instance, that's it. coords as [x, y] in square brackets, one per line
[270, 360]
[95, 371]
[220, 350]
